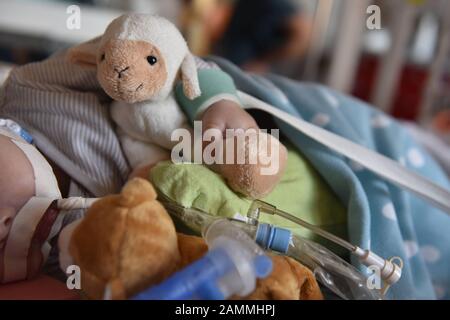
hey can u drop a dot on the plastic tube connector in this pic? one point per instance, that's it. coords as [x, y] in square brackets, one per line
[390, 272]
[273, 238]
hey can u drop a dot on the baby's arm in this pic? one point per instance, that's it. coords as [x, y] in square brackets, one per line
[218, 106]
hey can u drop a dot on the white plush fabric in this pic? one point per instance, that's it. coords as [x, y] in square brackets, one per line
[146, 128]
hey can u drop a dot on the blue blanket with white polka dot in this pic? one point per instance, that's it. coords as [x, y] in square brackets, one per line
[382, 217]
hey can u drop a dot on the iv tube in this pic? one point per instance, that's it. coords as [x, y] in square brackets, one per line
[260, 206]
[390, 271]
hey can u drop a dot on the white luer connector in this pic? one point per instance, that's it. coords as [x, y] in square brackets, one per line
[390, 271]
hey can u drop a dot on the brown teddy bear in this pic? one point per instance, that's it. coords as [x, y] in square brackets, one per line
[128, 242]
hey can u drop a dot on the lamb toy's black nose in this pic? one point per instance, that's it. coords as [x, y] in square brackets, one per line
[119, 72]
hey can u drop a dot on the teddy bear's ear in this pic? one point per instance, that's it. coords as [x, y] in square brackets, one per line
[84, 54]
[189, 77]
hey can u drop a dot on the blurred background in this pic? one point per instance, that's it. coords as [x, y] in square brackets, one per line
[397, 58]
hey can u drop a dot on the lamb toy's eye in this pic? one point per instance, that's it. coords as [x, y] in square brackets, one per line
[152, 60]
[102, 57]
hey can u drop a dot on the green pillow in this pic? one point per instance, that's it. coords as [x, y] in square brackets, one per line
[301, 192]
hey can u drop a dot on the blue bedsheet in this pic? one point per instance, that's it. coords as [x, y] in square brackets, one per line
[388, 220]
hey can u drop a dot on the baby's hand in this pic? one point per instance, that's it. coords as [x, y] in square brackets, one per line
[245, 178]
[226, 114]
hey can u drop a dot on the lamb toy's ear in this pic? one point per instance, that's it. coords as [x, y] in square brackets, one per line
[189, 77]
[84, 54]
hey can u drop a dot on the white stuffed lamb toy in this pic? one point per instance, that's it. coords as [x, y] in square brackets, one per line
[139, 58]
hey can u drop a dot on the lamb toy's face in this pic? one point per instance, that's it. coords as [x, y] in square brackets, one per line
[139, 57]
[131, 70]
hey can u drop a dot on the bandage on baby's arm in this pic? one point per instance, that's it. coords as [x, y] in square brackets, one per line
[215, 85]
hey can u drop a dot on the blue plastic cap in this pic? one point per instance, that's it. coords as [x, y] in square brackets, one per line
[273, 238]
[263, 266]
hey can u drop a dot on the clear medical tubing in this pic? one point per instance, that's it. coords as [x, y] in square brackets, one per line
[330, 270]
[390, 269]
